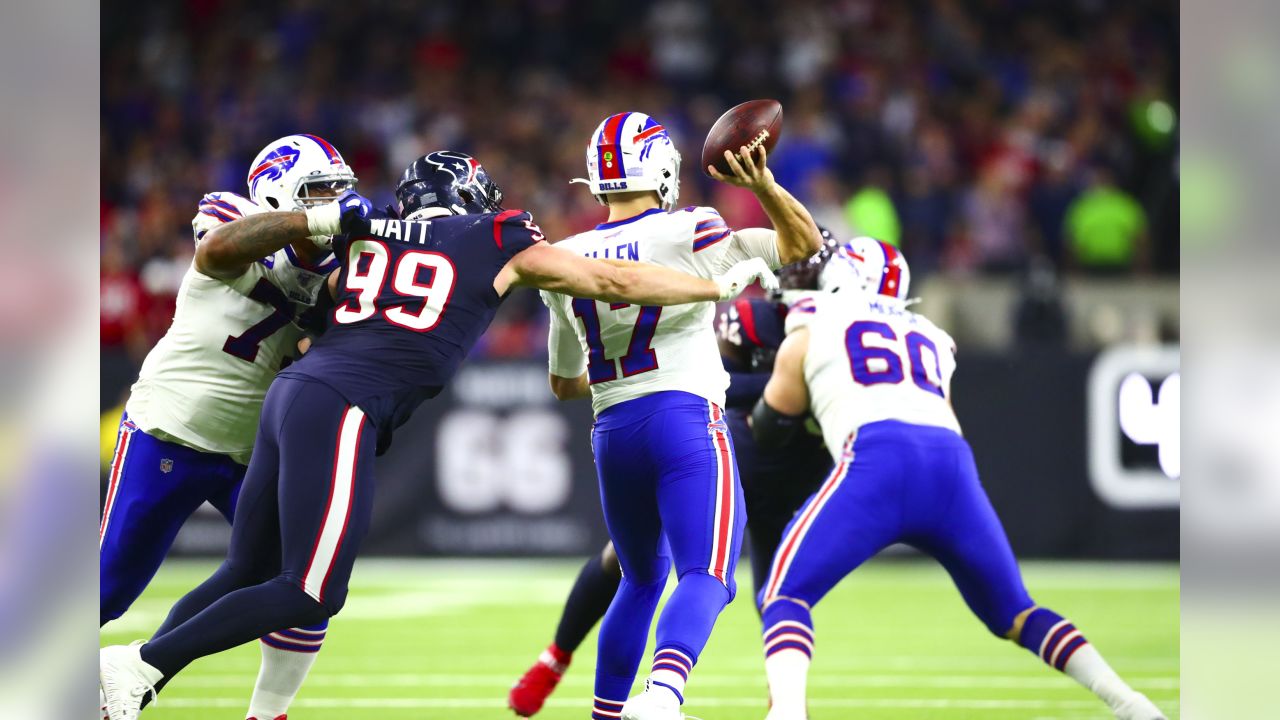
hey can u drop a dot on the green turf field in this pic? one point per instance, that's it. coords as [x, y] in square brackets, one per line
[445, 639]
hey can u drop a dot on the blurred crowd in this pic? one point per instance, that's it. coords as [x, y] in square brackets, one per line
[982, 137]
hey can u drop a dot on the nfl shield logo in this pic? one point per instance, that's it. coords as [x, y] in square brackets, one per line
[166, 465]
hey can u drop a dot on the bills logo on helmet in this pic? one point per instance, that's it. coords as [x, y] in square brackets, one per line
[462, 167]
[274, 165]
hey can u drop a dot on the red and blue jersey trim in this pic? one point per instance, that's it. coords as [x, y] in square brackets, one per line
[709, 232]
[220, 209]
[625, 221]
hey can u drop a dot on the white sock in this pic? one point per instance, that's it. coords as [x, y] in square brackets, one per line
[671, 668]
[1088, 668]
[788, 672]
[282, 672]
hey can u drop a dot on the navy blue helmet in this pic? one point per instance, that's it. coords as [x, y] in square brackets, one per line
[450, 180]
[803, 274]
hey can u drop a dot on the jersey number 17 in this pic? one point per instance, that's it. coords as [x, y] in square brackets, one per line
[640, 357]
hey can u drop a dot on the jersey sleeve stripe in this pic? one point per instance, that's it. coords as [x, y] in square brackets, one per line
[219, 214]
[706, 242]
[221, 204]
[497, 224]
[709, 223]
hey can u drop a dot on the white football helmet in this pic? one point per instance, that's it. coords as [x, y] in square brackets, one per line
[286, 173]
[631, 152]
[867, 265]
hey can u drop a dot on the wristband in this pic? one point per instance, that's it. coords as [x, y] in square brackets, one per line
[325, 219]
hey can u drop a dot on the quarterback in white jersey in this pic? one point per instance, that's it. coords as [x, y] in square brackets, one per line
[877, 378]
[662, 448]
[190, 421]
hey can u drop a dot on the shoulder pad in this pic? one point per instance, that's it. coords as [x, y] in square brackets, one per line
[708, 227]
[217, 208]
[801, 309]
[514, 230]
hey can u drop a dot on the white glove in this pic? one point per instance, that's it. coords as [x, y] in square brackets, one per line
[740, 276]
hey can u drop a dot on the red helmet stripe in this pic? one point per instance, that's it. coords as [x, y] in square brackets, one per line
[891, 282]
[334, 157]
[610, 143]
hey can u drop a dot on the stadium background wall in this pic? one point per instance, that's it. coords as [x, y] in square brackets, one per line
[496, 467]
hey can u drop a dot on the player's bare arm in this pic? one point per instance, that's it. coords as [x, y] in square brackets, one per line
[569, 388]
[798, 236]
[227, 250]
[779, 414]
[550, 268]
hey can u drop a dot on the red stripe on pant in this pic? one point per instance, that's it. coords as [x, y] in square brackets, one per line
[113, 486]
[337, 511]
[792, 540]
[724, 505]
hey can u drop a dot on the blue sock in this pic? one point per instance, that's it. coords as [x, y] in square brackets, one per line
[691, 613]
[623, 635]
[787, 626]
[685, 626]
[1051, 637]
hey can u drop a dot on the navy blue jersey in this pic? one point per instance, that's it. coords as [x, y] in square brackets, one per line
[750, 331]
[413, 298]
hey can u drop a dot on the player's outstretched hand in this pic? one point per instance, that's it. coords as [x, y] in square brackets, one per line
[740, 276]
[749, 169]
[346, 214]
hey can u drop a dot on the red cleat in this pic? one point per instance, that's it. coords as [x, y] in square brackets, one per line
[531, 691]
[282, 717]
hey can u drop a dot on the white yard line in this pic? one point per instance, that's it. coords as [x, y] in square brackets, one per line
[707, 702]
[1029, 682]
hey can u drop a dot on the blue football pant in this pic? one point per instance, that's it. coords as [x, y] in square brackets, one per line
[303, 510]
[665, 464]
[905, 483]
[153, 487]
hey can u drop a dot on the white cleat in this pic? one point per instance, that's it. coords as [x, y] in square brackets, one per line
[125, 680]
[655, 703]
[1138, 707]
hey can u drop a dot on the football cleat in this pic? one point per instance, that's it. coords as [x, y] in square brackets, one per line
[1138, 707]
[278, 717]
[531, 691]
[655, 703]
[125, 680]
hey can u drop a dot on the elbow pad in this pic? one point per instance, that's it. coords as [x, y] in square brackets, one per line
[771, 428]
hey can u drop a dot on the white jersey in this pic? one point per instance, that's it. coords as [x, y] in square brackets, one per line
[203, 384]
[871, 359]
[630, 351]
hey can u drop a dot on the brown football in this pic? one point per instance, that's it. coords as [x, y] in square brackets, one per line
[752, 123]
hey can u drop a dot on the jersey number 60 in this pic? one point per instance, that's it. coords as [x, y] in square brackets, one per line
[367, 262]
[888, 360]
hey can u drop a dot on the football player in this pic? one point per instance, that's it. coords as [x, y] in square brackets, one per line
[189, 424]
[877, 377]
[413, 297]
[662, 447]
[775, 481]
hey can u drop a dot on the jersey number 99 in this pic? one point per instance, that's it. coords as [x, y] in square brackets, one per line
[888, 367]
[418, 274]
